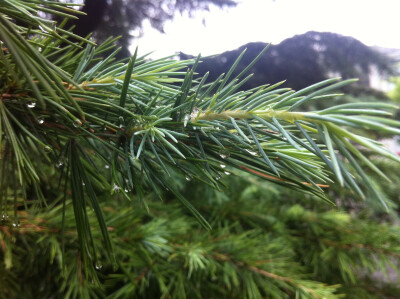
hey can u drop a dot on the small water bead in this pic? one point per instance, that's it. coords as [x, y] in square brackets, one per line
[98, 265]
[126, 190]
[31, 105]
[54, 26]
[186, 120]
[106, 166]
[4, 218]
[224, 154]
[217, 178]
[60, 162]
[251, 152]
[222, 165]
[83, 184]
[188, 178]
[16, 224]
[40, 120]
[227, 172]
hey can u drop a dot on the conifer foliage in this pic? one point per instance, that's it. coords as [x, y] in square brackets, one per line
[90, 144]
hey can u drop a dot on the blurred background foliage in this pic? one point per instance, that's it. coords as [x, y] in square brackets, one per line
[266, 242]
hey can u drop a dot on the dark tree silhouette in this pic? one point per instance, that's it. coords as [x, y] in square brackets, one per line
[303, 60]
[95, 11]
[119, 17]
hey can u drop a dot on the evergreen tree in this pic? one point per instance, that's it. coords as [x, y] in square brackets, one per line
[395, 93]
[107, 18]
[306, 59]
[90, 144]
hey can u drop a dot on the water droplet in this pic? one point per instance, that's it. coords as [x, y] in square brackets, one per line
[224, 154]
[116, 187]
[40, 120]
[31, 105]
[251, 152]
[77, 123]
[227, 172]
[187, 118]
[222, 165]
[106, 166]
[188, 178]
[16, 224]
[217, 178]
[60, 163]
[126, 190]
[4, 218]
[47, 149]
[83, 184]
[98, 265]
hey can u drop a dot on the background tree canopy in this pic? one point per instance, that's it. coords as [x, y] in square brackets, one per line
[119, 17]
[304, 60]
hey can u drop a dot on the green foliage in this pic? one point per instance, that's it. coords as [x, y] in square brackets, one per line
[90, 144]
[395, 93]
[258, 248]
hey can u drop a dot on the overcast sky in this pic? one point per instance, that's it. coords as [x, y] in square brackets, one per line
[373, 22]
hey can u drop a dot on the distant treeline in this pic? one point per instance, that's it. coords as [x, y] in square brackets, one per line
[303, 60]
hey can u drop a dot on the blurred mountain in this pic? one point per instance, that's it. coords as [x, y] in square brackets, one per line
[304, 60]
[390, 52]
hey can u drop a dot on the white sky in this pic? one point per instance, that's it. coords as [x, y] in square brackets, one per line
[373, 22]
